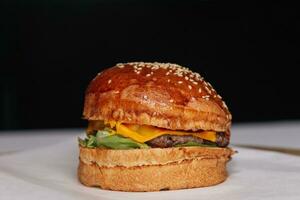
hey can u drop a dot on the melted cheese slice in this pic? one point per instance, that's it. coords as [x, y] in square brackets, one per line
[144, 133]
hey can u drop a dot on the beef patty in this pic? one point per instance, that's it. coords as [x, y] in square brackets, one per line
[172, 140]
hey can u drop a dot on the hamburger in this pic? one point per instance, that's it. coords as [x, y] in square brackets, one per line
[151, 127]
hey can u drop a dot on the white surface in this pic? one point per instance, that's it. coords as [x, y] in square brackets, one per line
[271, 134]
[42, 165]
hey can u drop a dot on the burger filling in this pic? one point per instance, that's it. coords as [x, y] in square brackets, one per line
[115, 135]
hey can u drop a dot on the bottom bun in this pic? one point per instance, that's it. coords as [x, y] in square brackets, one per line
[156, 169]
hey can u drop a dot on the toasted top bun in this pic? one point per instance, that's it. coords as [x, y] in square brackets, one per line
[158, 94]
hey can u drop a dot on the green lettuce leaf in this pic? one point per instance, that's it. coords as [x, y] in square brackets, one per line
[89, 142]
[108, 139]
[82, 142]
[189, 144]
[104, 133]
[119, 142]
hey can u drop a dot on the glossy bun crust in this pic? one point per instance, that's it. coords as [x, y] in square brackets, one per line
[158, 94]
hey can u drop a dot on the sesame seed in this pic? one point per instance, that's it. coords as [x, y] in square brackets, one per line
[219, 96]
[205, 96]
[229, 116]
[109, 81]
[179, 82]
[193, 98]
[197, 75]
[120, 65]
[224, 105]
[99, 73]
[168, 80]
[145, 97]
[199, 90]
[171, 100]
[171, 69]
[208, 90]
[154, 79]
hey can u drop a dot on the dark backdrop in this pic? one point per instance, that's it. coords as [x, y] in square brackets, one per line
[50, 51]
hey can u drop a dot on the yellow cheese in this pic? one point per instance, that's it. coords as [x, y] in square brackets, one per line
[144, 133]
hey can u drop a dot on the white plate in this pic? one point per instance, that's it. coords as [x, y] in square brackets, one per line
[49, 172]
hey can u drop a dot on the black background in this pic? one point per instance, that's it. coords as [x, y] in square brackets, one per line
[50, 51]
